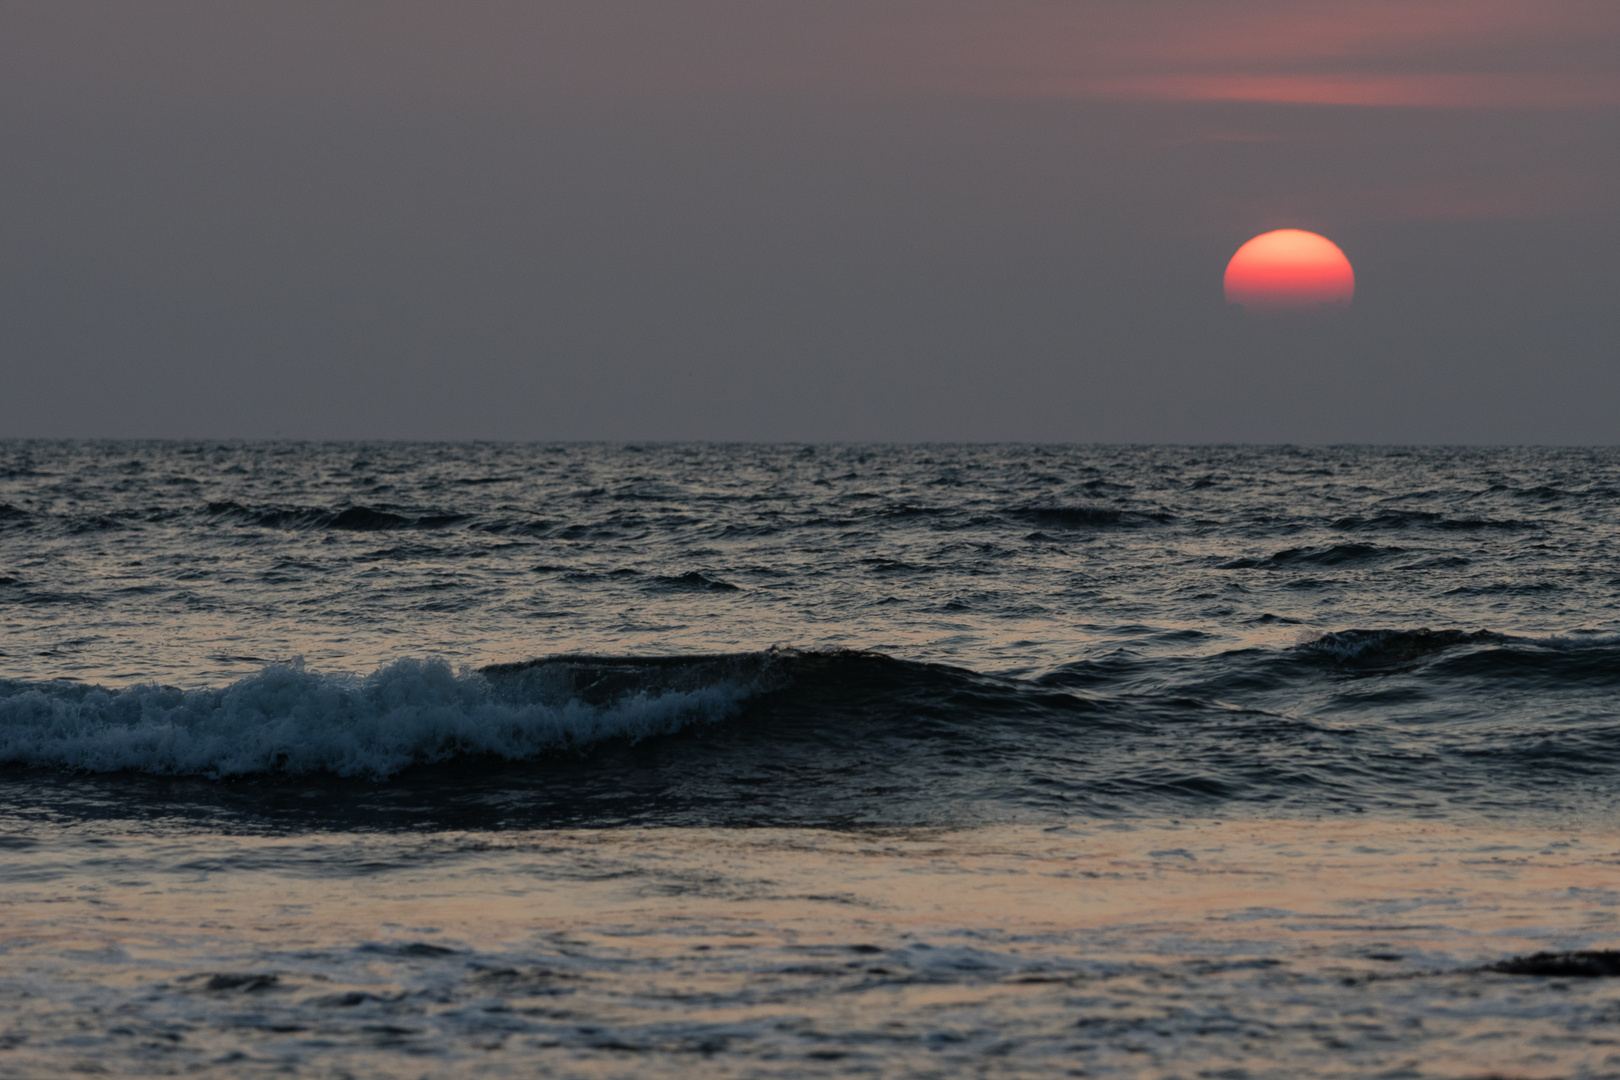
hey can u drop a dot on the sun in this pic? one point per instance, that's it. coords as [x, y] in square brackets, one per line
[1290, 270]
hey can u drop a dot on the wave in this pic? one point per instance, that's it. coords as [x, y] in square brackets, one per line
[694, 581]
[1428, 519]
[289, 720]
[1087, 517]
[348, 519]
[1545, 663]
[1386, 648]
[286, 720]
[1330, 555]
[1358, 717]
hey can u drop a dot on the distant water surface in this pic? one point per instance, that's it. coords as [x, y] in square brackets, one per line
[196, 564]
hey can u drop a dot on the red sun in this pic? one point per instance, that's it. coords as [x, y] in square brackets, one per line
[1289, 270]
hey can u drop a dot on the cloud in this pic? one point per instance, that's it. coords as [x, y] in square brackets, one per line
[1430, 53]
[1447, 53]
[1354, 88]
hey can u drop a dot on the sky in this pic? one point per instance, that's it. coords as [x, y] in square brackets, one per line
[818, 220]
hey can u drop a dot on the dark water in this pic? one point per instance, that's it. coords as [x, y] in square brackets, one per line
[493, 636]
[787, 761]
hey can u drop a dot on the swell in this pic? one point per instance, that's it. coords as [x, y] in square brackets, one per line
[288, 720]
[359, 517]
[1262, 724]
[1535, 663]
[346, 519]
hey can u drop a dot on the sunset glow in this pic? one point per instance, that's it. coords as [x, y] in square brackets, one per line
[1290, 270]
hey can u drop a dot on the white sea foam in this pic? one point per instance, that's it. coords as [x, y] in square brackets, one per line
[287, 719]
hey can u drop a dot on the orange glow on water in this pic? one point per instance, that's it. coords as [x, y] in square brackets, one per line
[1289, 270]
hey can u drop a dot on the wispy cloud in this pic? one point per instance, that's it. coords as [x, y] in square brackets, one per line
[1450, 53]
[1434, 53]
[1354, 88]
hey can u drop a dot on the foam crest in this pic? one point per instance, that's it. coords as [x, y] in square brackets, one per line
[289, 720]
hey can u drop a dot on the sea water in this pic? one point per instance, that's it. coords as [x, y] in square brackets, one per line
[600, 760]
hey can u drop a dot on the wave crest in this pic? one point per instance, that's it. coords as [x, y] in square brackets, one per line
[286, 719]
[1381, 648]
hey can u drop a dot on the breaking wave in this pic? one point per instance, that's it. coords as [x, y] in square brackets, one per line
[839, 737]
[289, 720]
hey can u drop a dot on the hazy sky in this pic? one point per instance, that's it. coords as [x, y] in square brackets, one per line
[805, 219]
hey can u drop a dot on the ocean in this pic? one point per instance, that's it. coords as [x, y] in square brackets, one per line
[416, 760]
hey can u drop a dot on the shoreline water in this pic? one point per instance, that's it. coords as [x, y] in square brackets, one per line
[1148, 947]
